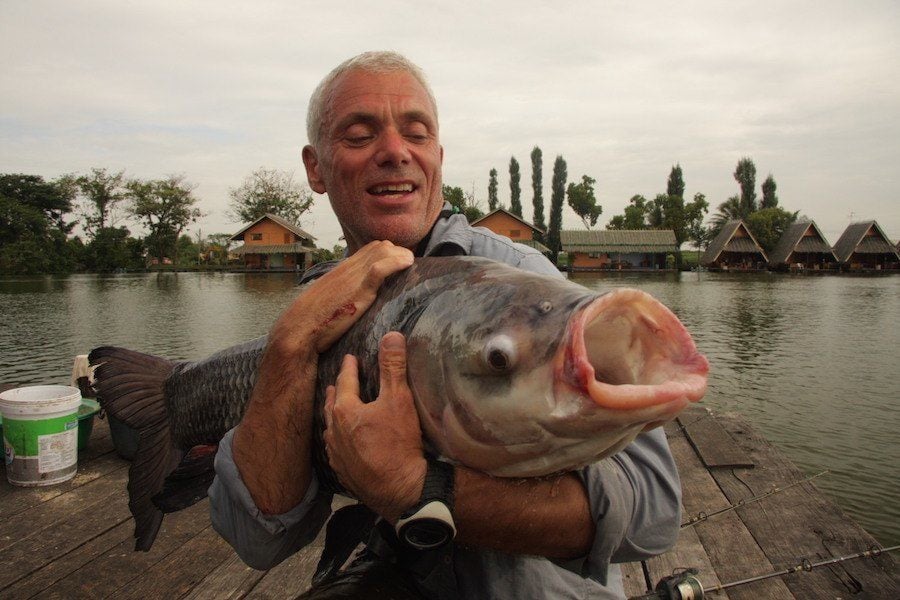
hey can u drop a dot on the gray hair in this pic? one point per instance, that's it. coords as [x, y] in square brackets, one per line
[382, 61]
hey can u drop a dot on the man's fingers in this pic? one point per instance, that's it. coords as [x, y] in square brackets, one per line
[399, 259]
[330, 394]
[392, 365]
[347, 383]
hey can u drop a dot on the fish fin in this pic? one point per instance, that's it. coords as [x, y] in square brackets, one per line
[131, 387]
[189, 482]
[347, 528]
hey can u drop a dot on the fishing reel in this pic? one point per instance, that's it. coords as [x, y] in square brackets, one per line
[680, 586]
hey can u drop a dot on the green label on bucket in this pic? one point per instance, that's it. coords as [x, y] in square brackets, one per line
[22, 436]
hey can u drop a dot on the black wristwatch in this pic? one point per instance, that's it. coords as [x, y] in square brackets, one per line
[429, 524]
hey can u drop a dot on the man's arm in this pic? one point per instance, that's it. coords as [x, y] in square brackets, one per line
[264, 472]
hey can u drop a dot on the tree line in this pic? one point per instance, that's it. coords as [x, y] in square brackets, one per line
[765, 219]
[38, 216]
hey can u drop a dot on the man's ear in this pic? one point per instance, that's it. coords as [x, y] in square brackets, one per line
[313, 170]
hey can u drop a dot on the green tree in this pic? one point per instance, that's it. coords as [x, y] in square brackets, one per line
[537, 187]
[515, 190]
[582, 200]
[269, 191]
[324, 254]
[101, 192]
[675, 185]
[557, 196]
[111, 249]
[188, 252]
[463, 202]
[770, 198]
[633, 217]
[745, 175]
[217, 246]
[694, 215]
[768, 225]
[165, 207]
[493, 200]
[33, 230]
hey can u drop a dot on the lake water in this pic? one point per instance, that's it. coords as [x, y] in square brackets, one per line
[812, 362]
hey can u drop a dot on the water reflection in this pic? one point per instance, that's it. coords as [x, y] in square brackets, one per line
[810, 361]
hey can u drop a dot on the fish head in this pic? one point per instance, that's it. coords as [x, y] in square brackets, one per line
[524, 375]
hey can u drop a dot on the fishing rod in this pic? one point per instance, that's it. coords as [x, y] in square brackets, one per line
[685, 585]
[702, 515]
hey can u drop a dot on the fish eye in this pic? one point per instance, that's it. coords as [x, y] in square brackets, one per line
[546, 306]
[500, 354]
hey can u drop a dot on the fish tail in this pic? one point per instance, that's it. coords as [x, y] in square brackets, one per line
[131, 387]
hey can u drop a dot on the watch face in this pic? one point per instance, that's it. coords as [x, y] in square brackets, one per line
[426, 534]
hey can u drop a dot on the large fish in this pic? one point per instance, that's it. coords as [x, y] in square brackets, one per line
[513, 373]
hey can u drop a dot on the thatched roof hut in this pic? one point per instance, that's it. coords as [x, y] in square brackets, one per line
[734, 248]
[864, 245]
[802, 244]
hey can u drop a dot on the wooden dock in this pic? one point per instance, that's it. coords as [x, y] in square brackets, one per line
[74, 540]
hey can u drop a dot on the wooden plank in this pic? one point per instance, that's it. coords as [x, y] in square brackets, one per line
[25, 556]
[289, 579]
[58, 510]
[232, 580]
[633, 580]
[801, 522]
[712, 443]
[732, 550]
[118, 566]
[48, 574]
[18, 500]
[180, 571]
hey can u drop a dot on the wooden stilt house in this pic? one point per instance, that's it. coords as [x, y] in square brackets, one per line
[864, 246]
[503, 222]
[272, 243]
[734, 249]
[802, 247]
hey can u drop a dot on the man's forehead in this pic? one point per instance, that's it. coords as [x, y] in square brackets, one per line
[356, 88]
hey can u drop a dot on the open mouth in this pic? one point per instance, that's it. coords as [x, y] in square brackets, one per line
[391, 189]
[627, 351]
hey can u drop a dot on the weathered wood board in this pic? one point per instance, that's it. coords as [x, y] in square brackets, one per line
[74, 540]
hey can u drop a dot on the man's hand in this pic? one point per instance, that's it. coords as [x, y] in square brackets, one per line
[272, 443]
[335, 301]
[375, 449]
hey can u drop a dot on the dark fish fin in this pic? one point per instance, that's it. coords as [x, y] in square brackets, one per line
[131, 386]
[188, 483]
[347, 527]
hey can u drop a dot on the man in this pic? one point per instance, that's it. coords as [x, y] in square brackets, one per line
[374, 149]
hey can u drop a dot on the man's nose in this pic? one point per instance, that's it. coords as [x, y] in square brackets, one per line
[392, 149]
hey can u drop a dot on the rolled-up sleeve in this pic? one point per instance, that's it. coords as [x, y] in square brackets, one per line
[635, 501]
[262, 541]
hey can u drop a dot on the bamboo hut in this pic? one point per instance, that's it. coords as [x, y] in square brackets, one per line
[802, 247]
[734, 249]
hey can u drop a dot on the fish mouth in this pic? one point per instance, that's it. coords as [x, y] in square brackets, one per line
[626, 351]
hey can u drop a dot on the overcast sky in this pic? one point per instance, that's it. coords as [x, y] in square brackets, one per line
[622, 90]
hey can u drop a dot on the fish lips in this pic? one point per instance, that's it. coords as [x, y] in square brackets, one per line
[628, 354]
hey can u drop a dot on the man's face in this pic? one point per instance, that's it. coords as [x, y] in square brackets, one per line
[379, 158]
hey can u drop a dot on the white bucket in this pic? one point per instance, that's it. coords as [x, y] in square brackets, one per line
[40, 433]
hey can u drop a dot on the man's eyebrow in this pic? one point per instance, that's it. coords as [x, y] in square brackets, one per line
[356, 117]
[420, 116]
